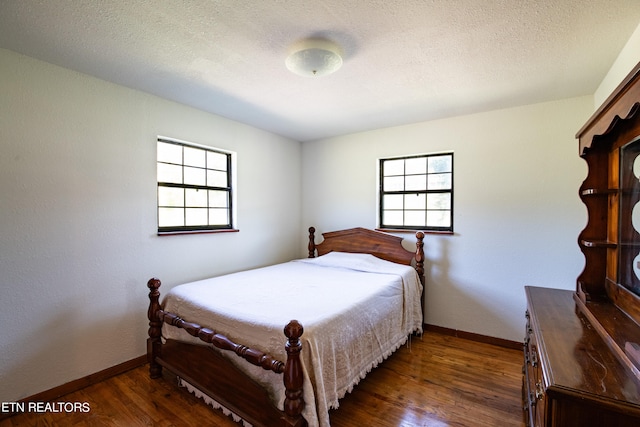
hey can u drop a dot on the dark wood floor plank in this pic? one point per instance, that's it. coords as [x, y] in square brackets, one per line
[437, 381]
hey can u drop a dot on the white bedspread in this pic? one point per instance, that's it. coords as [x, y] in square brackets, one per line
[356, 310]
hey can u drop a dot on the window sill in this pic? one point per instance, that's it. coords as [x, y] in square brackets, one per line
[404, 230]
[172, 233]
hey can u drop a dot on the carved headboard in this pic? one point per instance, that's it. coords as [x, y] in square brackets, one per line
[376, 243]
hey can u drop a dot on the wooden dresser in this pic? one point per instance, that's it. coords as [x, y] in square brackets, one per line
[582, 347]
[571, 378]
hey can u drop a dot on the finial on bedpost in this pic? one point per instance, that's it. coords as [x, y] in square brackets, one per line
[312, 243]
[293, 377]
[155, 328]
[420, 255]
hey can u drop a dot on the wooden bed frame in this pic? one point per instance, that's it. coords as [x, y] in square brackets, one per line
[219, 379]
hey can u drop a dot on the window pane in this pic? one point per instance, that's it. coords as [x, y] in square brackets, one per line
[194, 185]
[438, 164]
[415, 182]
[395, 183]
[393, 201]
[392, 218]
[414, 218]
[416, 192]
[194, 157]
[170, 217]
[393, 167]
[439, 201]
[196, 216]
[196, 198]
[169, 153]
[414, 201]
[194, 176]
[170, 196]
[440, 181]
[216, 178]
[169, 173]
[218, 216]
[438, 218]
[216, 161]
[218, 199]
[416, 166]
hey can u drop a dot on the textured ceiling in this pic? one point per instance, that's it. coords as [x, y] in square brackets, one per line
[405, 60]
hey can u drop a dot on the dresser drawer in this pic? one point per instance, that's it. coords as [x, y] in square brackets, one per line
[533, 388]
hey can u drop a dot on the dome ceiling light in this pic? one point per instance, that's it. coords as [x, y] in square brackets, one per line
[314, 58]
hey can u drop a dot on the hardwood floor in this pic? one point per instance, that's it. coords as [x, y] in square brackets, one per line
[442, 381]
[439, 381]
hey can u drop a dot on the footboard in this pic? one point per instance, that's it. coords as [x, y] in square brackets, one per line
[217, 377]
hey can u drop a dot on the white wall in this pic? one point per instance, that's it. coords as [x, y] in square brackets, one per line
[517, 211]
[624, 63]
[78, 220]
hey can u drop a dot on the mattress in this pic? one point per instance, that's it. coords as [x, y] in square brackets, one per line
[356, 310]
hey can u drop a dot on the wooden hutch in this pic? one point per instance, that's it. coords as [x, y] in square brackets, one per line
[582, 348]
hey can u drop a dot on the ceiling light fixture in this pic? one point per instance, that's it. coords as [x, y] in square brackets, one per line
[314, 58]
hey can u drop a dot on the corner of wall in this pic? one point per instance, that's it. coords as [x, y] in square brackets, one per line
[627, 59]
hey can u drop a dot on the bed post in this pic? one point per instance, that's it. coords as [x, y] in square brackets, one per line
[312, 243]
[420, 266]
[420, 255]
[154, 342]
[293, 377]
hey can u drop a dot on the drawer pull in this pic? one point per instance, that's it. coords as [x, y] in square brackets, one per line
[539, 390]
[534, 359]
[532, 401]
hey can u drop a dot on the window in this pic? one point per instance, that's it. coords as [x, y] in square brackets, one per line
[416, 192]
[194, 187]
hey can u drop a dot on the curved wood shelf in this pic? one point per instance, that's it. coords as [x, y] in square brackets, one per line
[608, 244]
[598, 191]
[608, 191]
[598, 244]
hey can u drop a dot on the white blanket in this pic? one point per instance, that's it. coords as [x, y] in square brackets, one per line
[356, 310]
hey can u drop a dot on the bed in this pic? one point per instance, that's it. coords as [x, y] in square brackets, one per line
[223, 337]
